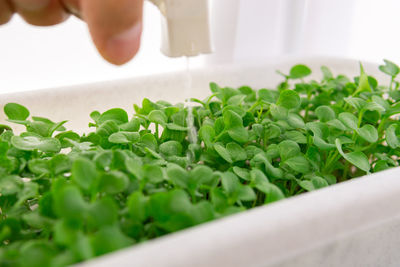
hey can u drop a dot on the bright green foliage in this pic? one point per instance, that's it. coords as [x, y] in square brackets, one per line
[66, 198]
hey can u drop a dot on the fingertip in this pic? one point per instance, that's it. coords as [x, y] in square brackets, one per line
[115, 27]
[122, 47]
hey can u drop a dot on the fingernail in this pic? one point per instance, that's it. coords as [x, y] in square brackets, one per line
[122, 47]
[31, 5]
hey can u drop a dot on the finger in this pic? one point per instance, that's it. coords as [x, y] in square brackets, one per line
[6, 11]
[115, 26]
[41, 12]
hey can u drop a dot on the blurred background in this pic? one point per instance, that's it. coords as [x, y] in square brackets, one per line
[243, 31]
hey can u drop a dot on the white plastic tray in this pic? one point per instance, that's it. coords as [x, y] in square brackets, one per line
[356, 223]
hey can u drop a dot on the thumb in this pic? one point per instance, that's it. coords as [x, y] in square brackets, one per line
[115, 27]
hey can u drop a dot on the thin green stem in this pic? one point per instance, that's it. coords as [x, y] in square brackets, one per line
[391, 83]
[157, 134]
[360, 116]
[382, 124]
[259, 114]
[346, 169]
[331, 160]
[253, 106]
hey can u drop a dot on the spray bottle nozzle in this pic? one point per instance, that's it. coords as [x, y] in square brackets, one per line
[185, 27]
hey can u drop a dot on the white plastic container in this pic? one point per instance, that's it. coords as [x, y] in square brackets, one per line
[355, 223]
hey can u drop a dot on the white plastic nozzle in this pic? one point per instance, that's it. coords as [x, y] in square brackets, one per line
[185, 27]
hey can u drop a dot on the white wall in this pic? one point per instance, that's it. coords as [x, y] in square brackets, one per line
[360, 29]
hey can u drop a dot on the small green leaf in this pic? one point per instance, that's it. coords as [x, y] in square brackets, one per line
[67, 135]
[246, 193]
[108, 239]
[36, 253]
[327, 73]
[177, 175]
[84, 173]
[330, 178]
[134, 166]
[258, 130]
[10, 185]
[374, 106]
[272, 131]
[380, 102]
[201, 212]
[295, 121]
[95, 115]
[236, 100]
[214, 87]
[171, 148]
[269, 96]
[298, 164]
[239, 134]
[363, 83]
[137, 203]
[153, 173]
[223, 152]
[356, 102]
[391, 137]
[157, 116]
[349, 120]
[119, 116]
[389, 68]
[381, 165]
[29, 143]
[337, 124]
[69, 203]
[356, 158]
[176, 127]
[149, 141]
[132, 126]
[16, 111]
[242, 173]
[368, 133]
[299, 71]
[325, 113]
[270, 170]
[289, 99]
[113, 182]
[201, 175]
[315, 183]
[107, 128]
[296, 136]
[272, 192]
[232, 119]
[322, 144]
[230, 183]
[288, 149]
[236, 152]
[124, 137]
[279, 112]
[103, 212]
[39, 166]
[207, 134]
[258, 177]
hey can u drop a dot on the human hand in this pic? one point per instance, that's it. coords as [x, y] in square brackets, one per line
[115, 25]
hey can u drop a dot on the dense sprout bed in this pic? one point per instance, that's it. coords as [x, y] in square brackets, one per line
[66, 197]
